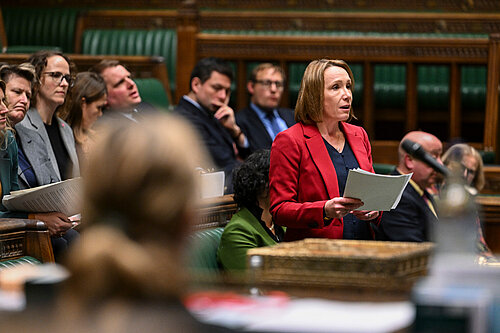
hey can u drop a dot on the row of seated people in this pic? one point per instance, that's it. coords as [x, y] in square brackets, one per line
[227, 137]
[53, 113]
[140, 196]
[300, 184]
[47, 117]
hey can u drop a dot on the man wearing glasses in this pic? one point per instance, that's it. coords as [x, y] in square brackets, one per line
[262, 120]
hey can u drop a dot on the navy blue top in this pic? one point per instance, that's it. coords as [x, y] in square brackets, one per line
[343, 162]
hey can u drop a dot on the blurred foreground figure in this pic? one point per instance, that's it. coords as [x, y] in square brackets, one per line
[465, 161]
[127, 268]
[126, 273]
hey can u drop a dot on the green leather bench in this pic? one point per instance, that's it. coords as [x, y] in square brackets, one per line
[202, 251]
[383, 169]
[26, 260]
[159, 42]
[32, 29]
[24, 242]
[152, 91]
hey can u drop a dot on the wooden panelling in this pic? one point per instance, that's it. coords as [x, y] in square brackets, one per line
[397, 22]
[466, 6]
[216, 212]
[21, 237]
[490, 217]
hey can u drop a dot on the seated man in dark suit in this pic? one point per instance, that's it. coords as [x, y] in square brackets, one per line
[205, 106]
[124, 99]
[262, 120]
[415, 215]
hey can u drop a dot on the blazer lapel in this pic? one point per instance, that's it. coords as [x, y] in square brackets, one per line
[36, 144]
[69, 143]
[357, 147]
[321, 158]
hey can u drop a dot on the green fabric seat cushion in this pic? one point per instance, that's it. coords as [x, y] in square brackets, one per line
[152, 91]
[202, 252]
[157, 42]
[26, 260]
[45, 26]
[383, 169]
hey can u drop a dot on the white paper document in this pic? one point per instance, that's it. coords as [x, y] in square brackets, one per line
[378, 192]
[212, 184]
[64, 197]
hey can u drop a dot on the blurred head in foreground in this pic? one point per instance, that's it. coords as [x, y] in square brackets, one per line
[467, 162]
[140, 195]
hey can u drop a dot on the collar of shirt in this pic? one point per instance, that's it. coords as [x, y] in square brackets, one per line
[424, 195]
[198, 105]
[413, 184]
[263, 116]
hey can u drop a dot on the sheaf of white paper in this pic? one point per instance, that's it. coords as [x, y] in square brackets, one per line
[64, 197]
[212, 184]
[378, 192]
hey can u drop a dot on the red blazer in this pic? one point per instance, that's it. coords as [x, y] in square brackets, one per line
[302, 179]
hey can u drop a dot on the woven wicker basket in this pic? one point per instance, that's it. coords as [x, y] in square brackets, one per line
[341, 263]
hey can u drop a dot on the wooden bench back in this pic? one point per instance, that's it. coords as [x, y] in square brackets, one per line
[22, 237]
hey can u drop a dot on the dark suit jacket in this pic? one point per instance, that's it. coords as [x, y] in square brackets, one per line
[138, 112]
[411, 221]
[216, 139]
[302, 179]
[254, 129]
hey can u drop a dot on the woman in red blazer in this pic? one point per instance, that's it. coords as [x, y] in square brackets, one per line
[310, 160]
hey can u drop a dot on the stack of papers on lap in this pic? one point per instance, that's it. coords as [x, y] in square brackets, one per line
[378, 192]
[64, 197]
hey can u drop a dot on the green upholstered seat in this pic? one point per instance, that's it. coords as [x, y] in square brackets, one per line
[31, 48]
[203, 245]
[152, 91]
[26, 260]
[383, 169]
[488, 156]
[46, 27]
[158, 42]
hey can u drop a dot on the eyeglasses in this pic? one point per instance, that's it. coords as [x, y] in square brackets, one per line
[268, 83]
[57, 77]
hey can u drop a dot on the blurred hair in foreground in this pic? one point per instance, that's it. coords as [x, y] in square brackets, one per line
[141, 190]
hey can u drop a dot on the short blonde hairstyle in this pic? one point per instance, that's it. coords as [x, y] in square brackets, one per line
[455, 155]
[309, 108]
[265, 66]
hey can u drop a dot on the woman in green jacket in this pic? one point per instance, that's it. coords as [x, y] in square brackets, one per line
[252, 226]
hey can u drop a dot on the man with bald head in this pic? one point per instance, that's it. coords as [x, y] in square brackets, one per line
[412, 220]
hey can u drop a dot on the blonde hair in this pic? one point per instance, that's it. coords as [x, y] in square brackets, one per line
[265, 66]
[140, 195]
[455, 154]
[309, 108]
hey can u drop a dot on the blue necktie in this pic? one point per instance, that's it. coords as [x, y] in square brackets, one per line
[274, 124]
